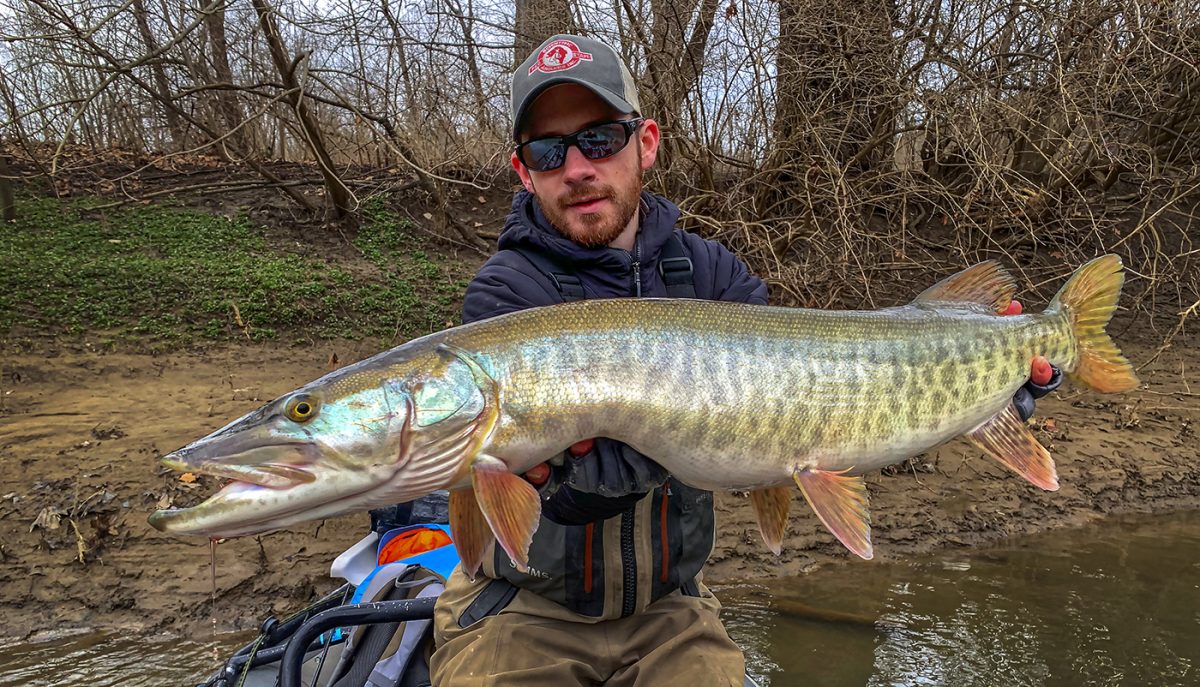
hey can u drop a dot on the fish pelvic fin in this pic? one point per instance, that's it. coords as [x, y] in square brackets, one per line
[510, 505]
[469, 529]
[1089, 299]
[771, 509]
[987, 284]
[840, 501]
[1007, 439]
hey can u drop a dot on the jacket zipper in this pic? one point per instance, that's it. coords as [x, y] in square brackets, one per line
[628, 557]
[628, 565]
[637, 266]
[664, 535]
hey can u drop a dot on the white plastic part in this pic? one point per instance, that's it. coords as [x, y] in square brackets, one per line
[356, 562]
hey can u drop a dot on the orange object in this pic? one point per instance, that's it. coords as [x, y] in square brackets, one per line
[581, 447]
[538, 474]
[412, 542]
[1014, 308]
[1040, 371]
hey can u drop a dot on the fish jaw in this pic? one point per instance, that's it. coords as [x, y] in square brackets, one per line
[389, 441]
[253, 507]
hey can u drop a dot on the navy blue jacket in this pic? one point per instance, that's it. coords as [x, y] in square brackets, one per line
[509, 282]
[562, 548]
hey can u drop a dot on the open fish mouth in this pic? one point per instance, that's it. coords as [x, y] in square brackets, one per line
[273, 475]
[277, 466]
[263, 487]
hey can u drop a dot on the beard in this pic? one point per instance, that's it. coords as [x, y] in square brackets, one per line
[595, 229]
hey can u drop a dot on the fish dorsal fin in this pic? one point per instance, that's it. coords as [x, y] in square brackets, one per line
[1007, 438]
[987, 284]
[771, 508]
[840, 501]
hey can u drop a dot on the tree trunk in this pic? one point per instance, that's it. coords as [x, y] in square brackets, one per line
[230, 110]
[538, 20]
[400, 41]
[466, 23]
[675, 59]
[339, 198]
[8, 207]
[174, 123]
[836, 102]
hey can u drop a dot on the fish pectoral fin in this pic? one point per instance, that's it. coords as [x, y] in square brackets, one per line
[510, 504]
[986, 284]
[840, 501]
[771, 509]
[469, 530]
[1007, 439]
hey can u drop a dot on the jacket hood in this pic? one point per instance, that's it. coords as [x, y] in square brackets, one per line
[527, 228]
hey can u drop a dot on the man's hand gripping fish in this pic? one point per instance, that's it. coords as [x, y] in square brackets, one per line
[723, 395]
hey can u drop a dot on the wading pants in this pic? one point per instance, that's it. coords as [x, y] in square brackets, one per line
[534, 642]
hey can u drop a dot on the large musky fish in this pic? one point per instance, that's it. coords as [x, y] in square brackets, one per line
[724, 395]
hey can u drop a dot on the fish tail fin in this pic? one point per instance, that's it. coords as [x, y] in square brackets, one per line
[1088, 299]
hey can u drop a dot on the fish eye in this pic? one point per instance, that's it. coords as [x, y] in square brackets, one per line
[301, 408]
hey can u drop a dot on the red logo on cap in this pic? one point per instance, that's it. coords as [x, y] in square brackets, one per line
[559, 55]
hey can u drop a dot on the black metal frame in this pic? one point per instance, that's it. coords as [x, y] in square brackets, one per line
[345, 616]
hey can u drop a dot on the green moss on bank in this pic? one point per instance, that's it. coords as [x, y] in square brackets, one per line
[161, 277]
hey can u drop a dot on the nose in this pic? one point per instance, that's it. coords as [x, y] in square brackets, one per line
[577, 168]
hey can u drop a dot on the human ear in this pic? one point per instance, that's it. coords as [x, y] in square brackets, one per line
[522, 172]
[648, 136]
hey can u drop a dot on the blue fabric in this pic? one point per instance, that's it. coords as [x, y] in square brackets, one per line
[440, 560]
[508, 282]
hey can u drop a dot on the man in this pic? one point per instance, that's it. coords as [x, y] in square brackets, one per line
[613, 593]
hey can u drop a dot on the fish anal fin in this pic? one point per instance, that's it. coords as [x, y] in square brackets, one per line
[987, 284]
[840, 501]
[1007, 439]
[509, 503]
[469, 530]
[771, 509]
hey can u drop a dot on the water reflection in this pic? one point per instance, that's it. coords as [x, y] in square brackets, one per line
[98, 659]
[1116, 603]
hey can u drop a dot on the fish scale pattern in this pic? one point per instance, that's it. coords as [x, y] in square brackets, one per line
[720, 388]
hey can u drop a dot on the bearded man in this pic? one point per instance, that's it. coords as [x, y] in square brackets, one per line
[613, 594]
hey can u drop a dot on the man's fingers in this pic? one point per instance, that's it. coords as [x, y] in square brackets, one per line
[580, 448]
[538, 474]
[1040, 371]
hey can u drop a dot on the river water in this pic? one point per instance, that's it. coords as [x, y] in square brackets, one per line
[1113, 604]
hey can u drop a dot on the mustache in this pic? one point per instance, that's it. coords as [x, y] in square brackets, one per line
[586, 193]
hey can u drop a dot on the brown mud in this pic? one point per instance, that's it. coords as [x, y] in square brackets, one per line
[80, 433]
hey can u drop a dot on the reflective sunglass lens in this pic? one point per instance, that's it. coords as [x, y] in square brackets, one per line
[545, 154]
[596, 143]
[601, 141]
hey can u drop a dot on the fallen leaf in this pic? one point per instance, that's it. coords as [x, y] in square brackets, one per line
[48, 519]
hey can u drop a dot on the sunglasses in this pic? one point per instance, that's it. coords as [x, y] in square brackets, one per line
[595, 142]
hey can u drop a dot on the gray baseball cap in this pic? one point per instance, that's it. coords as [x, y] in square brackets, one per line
[564, 58]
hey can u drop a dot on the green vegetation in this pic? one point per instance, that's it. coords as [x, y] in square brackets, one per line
[159, 277]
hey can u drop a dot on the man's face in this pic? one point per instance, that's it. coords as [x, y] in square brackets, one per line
[588, 201]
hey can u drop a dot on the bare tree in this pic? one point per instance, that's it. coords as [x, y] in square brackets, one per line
[537, 20]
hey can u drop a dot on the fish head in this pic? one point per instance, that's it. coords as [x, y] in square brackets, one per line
[345, 442]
